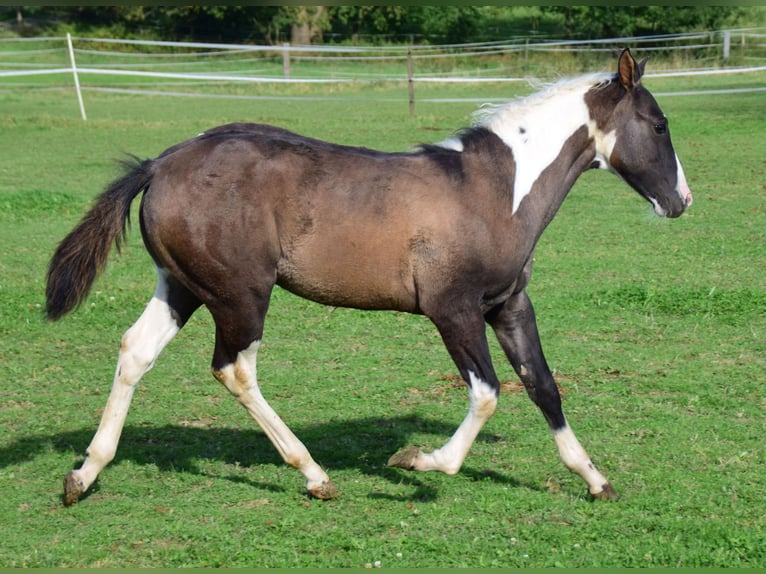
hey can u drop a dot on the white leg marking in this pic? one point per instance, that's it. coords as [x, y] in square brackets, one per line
[241, 380]
[140, 347]
[577, 460]
[450, 457]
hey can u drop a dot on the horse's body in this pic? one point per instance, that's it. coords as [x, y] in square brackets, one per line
[447, 231]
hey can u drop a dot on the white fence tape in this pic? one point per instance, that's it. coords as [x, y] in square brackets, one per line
[212, 55]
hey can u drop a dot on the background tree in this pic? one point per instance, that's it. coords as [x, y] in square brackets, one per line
[590, 22]
[414, 23]
[364, 21]
[306, 23]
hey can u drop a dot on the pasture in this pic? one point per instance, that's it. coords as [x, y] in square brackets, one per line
[655, 329]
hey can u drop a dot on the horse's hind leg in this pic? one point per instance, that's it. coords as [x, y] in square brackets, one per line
[516, 329]
[167, 311]
[238, 335]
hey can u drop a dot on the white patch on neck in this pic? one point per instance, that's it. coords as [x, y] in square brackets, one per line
[454, 143]
[605, 142]
[537, 127]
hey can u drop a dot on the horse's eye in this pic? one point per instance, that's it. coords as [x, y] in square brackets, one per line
[660, 128]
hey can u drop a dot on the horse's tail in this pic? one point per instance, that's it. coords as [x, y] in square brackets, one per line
[82, 255]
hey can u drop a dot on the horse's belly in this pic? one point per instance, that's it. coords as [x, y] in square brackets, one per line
[350, 274]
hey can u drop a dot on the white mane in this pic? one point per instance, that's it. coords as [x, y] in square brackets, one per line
[522, 106]
[537, 126]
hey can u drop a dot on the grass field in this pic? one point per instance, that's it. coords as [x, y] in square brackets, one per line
[656, 331]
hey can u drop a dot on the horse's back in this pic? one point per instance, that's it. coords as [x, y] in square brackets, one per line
[336, 224]
[329, 222]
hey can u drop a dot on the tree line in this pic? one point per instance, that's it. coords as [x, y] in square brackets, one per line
[371, 24]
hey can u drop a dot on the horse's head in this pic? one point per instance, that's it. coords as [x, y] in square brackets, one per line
[635, 139]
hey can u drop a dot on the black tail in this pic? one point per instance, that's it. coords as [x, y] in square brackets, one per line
[82, 255]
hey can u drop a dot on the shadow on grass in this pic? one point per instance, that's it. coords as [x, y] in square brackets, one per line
[360, 444]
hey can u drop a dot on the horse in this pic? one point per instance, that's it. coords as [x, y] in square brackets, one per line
[445, 230]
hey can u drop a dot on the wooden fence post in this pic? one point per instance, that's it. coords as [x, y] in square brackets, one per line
[286, 60]
[410, 82]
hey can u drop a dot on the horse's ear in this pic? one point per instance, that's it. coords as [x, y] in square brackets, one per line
[629, 71]
[642, 67]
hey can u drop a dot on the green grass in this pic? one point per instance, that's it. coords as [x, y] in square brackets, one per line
[655, 329]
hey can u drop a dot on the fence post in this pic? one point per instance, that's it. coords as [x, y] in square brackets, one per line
[726, 45]
[410, 82]
[286, 60]
[74, 73]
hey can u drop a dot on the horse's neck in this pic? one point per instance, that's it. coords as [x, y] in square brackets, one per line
[537, 134]
[552, 143]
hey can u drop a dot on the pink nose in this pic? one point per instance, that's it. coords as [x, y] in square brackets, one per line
[686, 193]
[683, 186]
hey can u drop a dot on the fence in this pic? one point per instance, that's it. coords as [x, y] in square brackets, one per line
[204, 69]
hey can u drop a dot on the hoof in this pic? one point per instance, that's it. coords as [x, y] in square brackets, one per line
[324, 491]
[73, 489]
[405, 458]
[607, 493]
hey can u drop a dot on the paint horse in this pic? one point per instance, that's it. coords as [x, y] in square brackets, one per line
[447, 231]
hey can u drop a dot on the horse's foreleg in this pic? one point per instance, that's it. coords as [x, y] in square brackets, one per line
[139, 348]
[467, 345]
[516, 328]
[239, 377]
[449, 458]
